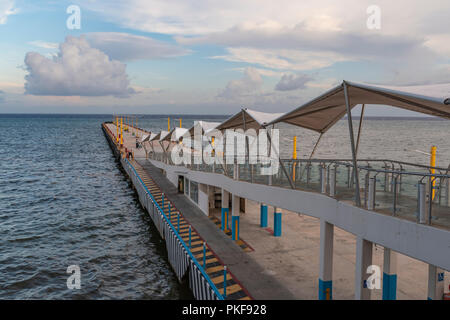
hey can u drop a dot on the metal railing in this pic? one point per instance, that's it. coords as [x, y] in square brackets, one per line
[402, 189]
[136, 177]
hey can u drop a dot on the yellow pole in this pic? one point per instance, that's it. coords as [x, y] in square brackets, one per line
[117, 126]
[180, 122]
[294, 156]
[168, 123]
[121, 132]
[433, 171]
[137, 135]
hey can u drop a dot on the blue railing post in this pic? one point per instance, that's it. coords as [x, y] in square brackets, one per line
[189, 237]
[194, 260]
[204, 254]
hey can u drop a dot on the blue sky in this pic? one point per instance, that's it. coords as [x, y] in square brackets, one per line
[147, 56]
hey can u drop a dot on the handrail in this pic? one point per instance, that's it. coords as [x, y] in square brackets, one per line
[216, 291]
[368, 168]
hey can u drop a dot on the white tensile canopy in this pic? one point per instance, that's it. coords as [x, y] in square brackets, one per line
[145, 137]
[205, 127]
[249, 119]
[177, 134]
[163, 135]
[323, 112]
[155, 136]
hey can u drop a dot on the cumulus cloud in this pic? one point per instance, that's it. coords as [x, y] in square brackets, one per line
[290, 82]
[6, 9]
[249, 83]
[77, 70]
[128, 47]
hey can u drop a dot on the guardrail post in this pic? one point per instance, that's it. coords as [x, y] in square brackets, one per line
[332, 181]
[448, 192]
[386, 180]
[371, 193]
[323, 179]
[308, 172]
[349, 179]
[394, 190]
[422, 203]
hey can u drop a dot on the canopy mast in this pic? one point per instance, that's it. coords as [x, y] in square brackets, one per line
[352, 143]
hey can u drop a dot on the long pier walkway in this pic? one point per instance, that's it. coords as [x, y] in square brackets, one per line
[324, 239]
[246, 278]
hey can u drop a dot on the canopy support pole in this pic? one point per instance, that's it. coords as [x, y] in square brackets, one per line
[352, 142]
[312, 154]
[291, 183]
[360, 127]
[145, 149]
[247, 148]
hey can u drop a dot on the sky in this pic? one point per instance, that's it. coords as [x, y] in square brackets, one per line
[212, 57]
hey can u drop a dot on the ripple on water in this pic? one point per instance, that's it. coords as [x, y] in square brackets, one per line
[64, 201]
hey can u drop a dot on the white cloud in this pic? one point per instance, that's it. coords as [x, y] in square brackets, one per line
[282, 59]
[248, 84]
[290, 82]
[77, 70]
[298, 35]
[44, 44]
[128, 47]
[6, 9]
[203, 17]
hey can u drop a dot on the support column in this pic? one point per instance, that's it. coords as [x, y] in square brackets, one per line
[263, 216]
[225, 209]
[326, 261]
[435, 283]
[363, 261]
[389, 275]
[276, 222]
[235, 217]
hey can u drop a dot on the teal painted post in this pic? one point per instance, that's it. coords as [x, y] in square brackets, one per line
[276, 223]
[170, 210]
[189, 237]
[204, 254]
[263, 216]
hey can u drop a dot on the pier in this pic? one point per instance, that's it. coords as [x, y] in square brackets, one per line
[302, 222]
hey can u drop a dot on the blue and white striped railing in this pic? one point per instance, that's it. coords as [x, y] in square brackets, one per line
[180, 256]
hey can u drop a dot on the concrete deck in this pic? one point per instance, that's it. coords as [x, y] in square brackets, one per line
[250, 273]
